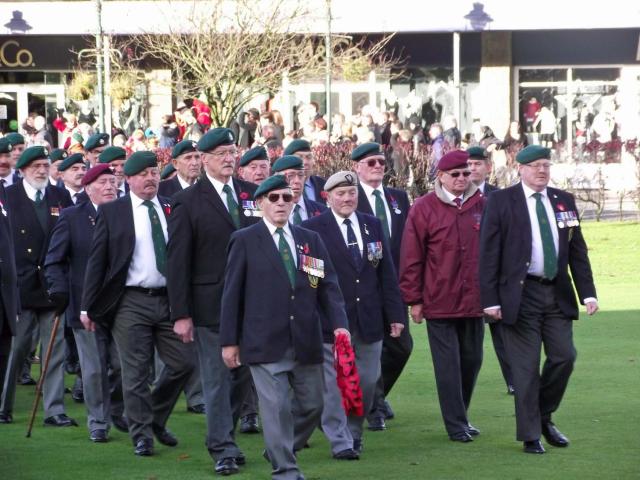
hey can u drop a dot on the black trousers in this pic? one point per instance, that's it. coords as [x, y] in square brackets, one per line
[540, 323]
[456, 351]
[497, 337]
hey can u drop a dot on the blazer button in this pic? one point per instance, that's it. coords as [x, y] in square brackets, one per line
[521, 282]
[358, 299]
[28, 250]
[527, 264]
[22, 232]
[293, 297]
[291, 317]
[357, 280]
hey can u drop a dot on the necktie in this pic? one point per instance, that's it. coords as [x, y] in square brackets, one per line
[75, 198]
[352, 243]
[157, 235]
[458, 202]
[297, 219]
[38, 197]
[548, 247]
[381, 213]
[232, 206]
[287, 258]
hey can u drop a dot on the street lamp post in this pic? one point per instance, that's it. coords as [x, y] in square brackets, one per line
[99, 68]
[327, 42]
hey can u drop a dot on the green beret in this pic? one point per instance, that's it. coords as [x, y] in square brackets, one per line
[287, 162]
[297, 145]
[167, 170]
[32, 154]
[138, 161]
[110, 154]
[184, 146]
[532, 153]
[275, 182]
[15, 138]
[477, 153]
[366, 150]
[341, 179]
[216, 137]
[255, 153]
[95, 141]
[70, 160]
[57, 154]
[5, 145]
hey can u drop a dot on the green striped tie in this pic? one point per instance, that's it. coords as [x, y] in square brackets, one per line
[381, 213]
[297, 219]
[232, 206]
[157, 235]
[287, 258]
[548, 247]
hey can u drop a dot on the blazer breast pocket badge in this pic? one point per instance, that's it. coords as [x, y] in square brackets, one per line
[567, 219]
[374, 253]
[313, 267]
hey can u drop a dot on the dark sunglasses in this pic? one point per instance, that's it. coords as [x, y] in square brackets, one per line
[457, 174]
[372, 162]
[274, 197]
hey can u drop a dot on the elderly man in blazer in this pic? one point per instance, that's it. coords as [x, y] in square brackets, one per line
[530, 239]
[125, 288]
[369, 283]
[186, 160]
[278, 275]
[34, 206]
[203, 219]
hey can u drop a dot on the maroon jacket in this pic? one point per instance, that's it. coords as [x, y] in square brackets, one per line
[439, 255]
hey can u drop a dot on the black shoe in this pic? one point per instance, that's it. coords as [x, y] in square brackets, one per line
[72, 368]
[249, 424]
[144, 447]
[533, 446]
[6, 417]
[240, 459]
[358, 446]
[376, 424]
[463, 437]
[26, 379]
[196, 408]
[226, 466]
[98, 436]
[553, 436]
[511, 390]
[60, 421]
[76, 392]
[164, 436]
[388, 412]
[347, 454]
[120, 423]
[473, 431]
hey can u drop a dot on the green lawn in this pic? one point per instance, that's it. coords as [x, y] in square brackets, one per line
[600, 413]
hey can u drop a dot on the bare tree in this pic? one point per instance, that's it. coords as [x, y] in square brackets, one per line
[232, 52]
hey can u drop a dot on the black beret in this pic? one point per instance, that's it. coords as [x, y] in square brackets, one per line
[94, 172]
[287, 162]
[275, 182]
[477, 153]
[185, 146]
[71, 160]
[32, 154]
[366, 150]
[297, 145]
[5, 145]
[138, 161]
[110, 154]
[95, 141]
[57, 154]
[167, 170]
[15, 138]
[255, 153]
[216, 137]
[532, 153]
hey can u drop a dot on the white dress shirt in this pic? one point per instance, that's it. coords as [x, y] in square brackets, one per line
[356, 229]
[368, 191]
[31, 192]
[536, 267]
[142, 270]
[219, 186]
[288, 236]
[184, 184]
[8, 180]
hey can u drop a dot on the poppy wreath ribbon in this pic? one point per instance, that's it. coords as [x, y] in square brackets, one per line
[347, 376]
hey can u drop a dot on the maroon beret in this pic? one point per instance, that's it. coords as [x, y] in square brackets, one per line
[453, 159]
[94, 172]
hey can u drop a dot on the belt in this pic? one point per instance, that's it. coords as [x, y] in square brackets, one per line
[152, 292]
[541, 280]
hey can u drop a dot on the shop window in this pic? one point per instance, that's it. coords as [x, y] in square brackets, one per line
[321, 99]
[359, 100]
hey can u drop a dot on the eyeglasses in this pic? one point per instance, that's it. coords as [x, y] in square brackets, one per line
[224, 153]
[275, 197]
[372, 162]
[465, 174]
[538, 166]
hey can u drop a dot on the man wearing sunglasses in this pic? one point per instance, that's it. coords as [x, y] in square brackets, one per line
[278, 275]
[439, 280]
[313, 184]
[203, 218]
[530, 238]
[391, 206]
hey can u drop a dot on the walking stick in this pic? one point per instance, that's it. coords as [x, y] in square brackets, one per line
[45, 366]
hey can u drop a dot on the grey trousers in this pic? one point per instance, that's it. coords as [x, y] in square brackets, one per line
[223, 391]
[100, 368]
[339, 429]
[456, 351]
[283, 433]
[540, 323]
[193, 387]
[142, 323]
[53, 388]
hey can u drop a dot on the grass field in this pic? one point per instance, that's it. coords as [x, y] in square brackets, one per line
[600, 413]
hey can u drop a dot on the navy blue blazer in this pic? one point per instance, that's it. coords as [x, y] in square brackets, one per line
[262, 313]
[313, 208]
[31, 241]
[168, 188]
[66, 260]
[399, 205]
[318, 187]
[8, 279]
[489, 189]
[114, 239]
[370, 290]
[505, 253]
